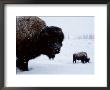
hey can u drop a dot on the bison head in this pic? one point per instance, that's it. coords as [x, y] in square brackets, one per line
[51, 41]
[87, 60]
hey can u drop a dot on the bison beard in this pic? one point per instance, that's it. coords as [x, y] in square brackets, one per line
[34, 38]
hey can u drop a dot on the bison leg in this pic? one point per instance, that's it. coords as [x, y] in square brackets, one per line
[82, 61]
[22, 64]
[74, 60]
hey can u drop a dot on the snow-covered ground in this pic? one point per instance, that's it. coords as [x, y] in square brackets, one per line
[62, 64]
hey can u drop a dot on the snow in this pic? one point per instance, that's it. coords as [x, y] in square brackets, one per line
[63, 62]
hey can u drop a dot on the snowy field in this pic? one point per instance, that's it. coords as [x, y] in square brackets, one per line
[63, 62]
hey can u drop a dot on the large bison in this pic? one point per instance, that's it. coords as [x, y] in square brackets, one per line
[81, 56]
[33, 38]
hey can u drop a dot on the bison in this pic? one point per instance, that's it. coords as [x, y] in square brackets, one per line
[81, 56]
[33, 38]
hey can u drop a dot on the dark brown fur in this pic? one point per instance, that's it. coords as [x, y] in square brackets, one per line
[80, 56]
[34, 38]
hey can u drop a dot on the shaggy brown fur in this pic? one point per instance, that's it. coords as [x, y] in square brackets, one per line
[80, 56]
[34, 38]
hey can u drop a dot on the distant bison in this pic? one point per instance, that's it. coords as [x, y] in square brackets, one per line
[81, 56]
[33, 38]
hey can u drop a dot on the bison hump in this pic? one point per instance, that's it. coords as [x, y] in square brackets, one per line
[27, 26]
